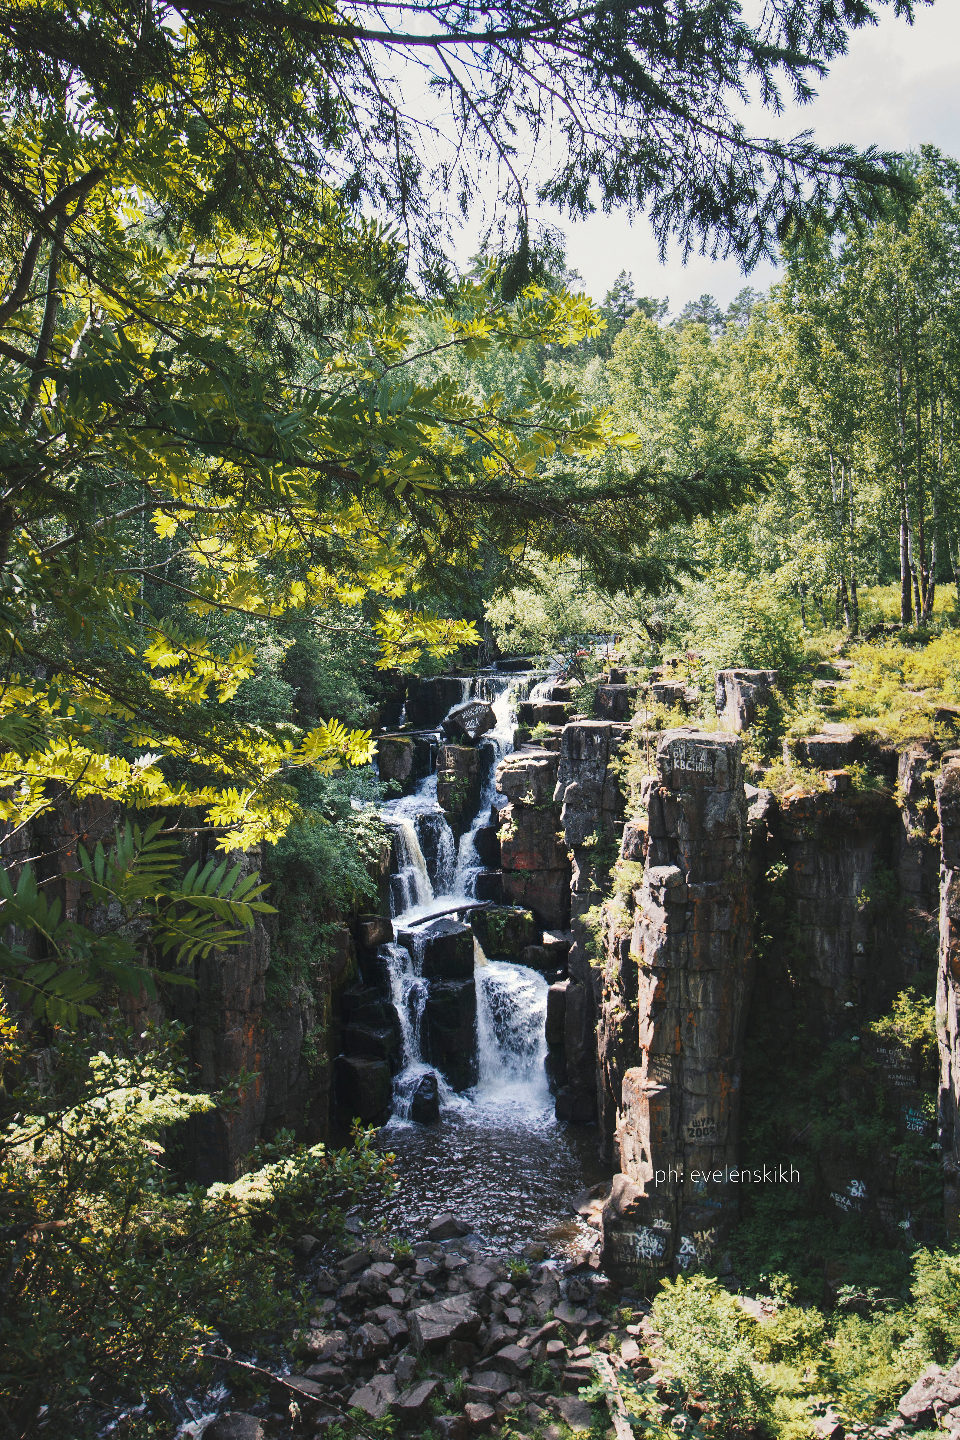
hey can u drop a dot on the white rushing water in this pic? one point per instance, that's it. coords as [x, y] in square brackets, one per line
[511, 999]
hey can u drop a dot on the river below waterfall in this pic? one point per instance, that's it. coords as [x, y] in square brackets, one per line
[497, 1157]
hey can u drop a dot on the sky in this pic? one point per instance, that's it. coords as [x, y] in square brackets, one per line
[898, 87]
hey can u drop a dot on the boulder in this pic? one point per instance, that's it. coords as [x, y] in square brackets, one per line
[529, 839]
[364, 1040]
[395, 760]
[235, 1425]
[469, 721]
[528, 777]
[433, 1326]
[412, 1409]
[371, 1343]
[556, 1012]
[488, 885]
[362, 1088]
[489, 1386]
[545, 892]
[376, 1398]
[487, 845]
[479, 1415]
[447, 1227]
[933, 1391]
[615, 702]
[572, 1411]
[452, 1427]
[425, 1105]
[833, 749]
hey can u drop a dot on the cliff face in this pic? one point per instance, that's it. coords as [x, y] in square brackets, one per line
[259, 1010]
[678, 1124]
[948, 986]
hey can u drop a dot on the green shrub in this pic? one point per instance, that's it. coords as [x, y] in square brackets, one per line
[706, 1352]
[117, 1274]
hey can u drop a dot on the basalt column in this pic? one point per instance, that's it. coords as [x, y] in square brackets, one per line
[678, 1128]
[948, 987]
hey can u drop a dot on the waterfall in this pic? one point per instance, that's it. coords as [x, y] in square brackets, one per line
[410, 887]
[408, 991]
[511, 999]
[501, 739]
[511, 1011]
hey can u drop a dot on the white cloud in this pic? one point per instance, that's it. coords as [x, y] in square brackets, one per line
[896, 88]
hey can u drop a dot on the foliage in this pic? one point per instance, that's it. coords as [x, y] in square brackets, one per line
[141, 897]
[643, 110]
[119, 1274]
[706, 1353]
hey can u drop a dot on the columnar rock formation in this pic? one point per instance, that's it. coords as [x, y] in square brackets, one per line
[591, 799]
[948, 986]
[533, 857]
[676, 1196]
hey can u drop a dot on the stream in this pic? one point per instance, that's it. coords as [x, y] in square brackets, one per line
[497, 1157]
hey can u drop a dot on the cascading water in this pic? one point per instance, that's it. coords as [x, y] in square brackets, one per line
[497, 1154]
[512, 1046]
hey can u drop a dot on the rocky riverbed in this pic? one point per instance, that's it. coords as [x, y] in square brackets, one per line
[448, 1337]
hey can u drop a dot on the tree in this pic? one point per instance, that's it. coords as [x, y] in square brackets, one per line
[638, 103]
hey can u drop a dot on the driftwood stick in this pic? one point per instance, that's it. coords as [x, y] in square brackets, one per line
[611, 1390]
[295, 1386]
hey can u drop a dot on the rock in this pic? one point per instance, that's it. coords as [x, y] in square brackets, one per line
[429, 700]
[679, 1107]
[470, 720]
[371, 1343]
[504, 931]
[406, 1369]
[306, 1245]
[556, 1350]
[513, 1360]
[330, 1346]
[452, 1427]
[916, 1406]
[528, 779]
[433, 1326]
[630, 1351]
[832, 749]
[446, 948]
[425, 1105]
[449, 1030]
[935, 1391]
[488, 1387]
[480, 1277]
[458, 784]
[363, 1088]
[365, 1040]
[479, 1415]
[396, 1328]
[739, 694]
[331, 1377]
[447, 1227]
[529, 839]
[326, 1283]
[235, 1425]
[828, 1426]
[376, 1398]
[572, 1411]
[545, 892]
[395, 760]
[413, 1406]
